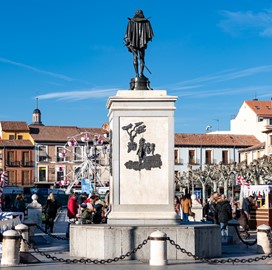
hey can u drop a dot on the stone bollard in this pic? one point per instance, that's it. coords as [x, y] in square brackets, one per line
[34, 210]
[233, 228]
[11, 248]
[23, 229]
[158, 248]
[263, 239]
[31, 229]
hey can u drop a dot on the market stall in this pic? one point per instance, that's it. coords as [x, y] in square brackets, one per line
[262, 214]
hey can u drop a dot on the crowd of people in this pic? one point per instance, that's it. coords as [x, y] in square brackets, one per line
[84, 209]
[217, 210]
[87, 209]
[90, 209]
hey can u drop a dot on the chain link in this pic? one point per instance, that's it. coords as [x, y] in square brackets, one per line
[242, 240]
[50, 234]
[217, 261]
[140, 246]
[85, 261]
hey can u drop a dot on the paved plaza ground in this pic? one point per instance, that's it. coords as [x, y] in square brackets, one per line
[60, 249]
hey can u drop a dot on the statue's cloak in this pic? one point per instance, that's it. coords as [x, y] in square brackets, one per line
[139, 33]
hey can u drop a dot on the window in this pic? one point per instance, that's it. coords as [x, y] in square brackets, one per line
[208, 156]
[11, 137]
[61, 153]
[77, 153]
[11, 158]
[25, 177]
[26, 159]
[270, 121]
[60, 176]
[192, 157]
[42, 174]
[225, 156]
[20, 137]
[42, 153]
[11, 177]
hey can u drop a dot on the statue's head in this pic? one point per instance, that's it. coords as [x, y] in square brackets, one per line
[139, 14]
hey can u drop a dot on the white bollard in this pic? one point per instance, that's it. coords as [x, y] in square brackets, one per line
[23, 229]
[263, 239]
[158, 248]
[11, 248]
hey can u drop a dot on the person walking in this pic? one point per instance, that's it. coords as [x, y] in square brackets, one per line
[186, 207]
[50, 210]
[212, 211]
[19, 203]
[224, 213]
[177, 207]
[248, 204]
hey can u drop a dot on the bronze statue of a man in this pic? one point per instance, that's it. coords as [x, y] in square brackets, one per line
[139, 33]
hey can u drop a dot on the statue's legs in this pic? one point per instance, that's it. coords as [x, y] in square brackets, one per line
[142, 62]
[135, 63]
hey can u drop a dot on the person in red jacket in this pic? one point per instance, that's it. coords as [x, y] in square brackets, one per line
[72, 208]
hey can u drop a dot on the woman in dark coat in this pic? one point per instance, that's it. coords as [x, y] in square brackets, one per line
[224, 213]
[50, 211]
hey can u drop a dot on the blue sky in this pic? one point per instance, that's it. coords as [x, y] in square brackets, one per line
[212, 54]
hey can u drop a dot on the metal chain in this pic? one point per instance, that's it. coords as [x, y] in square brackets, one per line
[243, 241]
[85, 261]
[140, 246]
[217, 261]
[50, 234]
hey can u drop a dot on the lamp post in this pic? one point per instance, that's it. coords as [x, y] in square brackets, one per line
[95, 142]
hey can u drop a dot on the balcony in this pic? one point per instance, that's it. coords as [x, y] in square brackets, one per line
[13, 163]
[27, 163]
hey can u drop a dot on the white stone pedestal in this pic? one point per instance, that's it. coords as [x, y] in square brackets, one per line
[142, 141]
[105, 241]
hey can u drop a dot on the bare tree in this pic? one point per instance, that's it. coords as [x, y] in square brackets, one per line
[259, 171]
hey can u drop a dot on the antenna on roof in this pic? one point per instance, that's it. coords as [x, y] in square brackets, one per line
[255, 96]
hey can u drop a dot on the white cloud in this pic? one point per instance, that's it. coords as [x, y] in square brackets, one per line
[37, 70]
[79, 95]
[222, 76]
[238, 22]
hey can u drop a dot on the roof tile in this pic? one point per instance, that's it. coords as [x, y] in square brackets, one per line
[260, 107]
[14, 126]
[61, 133]
[215, 140]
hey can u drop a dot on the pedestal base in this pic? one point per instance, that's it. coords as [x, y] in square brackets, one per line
[140, 83]
[106, 241]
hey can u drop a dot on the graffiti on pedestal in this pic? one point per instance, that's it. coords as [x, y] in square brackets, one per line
[147, 159]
